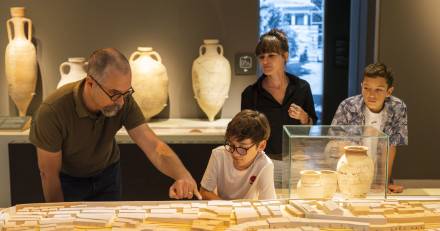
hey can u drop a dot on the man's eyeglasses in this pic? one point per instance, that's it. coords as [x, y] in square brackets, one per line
[240, 150]
[115, 96]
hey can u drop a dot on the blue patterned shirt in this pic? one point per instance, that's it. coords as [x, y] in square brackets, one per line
[395, 121]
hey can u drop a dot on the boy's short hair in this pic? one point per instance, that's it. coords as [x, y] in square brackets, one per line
[248, 124]
[375, 70]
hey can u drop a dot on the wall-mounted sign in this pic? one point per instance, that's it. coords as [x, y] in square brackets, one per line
[245, 64]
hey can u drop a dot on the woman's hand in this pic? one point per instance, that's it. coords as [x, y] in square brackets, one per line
[296, 112]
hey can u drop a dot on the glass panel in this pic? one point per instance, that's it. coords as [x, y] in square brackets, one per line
[337, 162]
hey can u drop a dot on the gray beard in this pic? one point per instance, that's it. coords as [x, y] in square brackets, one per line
[111, 110]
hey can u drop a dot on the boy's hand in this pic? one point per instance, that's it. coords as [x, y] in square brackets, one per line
[296, 112]
[395, 188]
[185, 188]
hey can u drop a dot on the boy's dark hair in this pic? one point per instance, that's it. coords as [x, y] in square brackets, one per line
[273, 41]
[248, 124]
[379, 70]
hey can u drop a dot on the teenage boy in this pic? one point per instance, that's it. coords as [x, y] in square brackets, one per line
[378, 108]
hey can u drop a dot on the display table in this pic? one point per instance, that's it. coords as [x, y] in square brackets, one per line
[310, 215]
[183, 135]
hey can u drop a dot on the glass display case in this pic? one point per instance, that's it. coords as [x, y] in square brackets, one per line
[333, 162]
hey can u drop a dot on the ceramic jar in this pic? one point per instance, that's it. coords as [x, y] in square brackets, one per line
[329, 183]
[211, 77]
[149, 80]
[309, 185]
[20, 60]
[73, 70]
[355, 172]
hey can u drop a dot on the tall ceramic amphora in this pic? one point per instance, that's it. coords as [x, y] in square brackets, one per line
[20, 60]
[73, 70]
[211, 77]
[355, 172]
[150, 81]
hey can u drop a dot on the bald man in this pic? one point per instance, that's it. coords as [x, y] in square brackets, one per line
[74, 133]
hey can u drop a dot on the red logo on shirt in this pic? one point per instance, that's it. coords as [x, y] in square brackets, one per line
[252, 179]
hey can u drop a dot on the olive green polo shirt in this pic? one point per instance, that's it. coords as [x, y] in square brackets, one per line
[86, 140]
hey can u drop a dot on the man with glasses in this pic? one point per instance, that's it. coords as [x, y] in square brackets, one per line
[240, 169]
[74, 133]
[378, 108]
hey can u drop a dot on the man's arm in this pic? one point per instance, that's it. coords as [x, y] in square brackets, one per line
[166, 161]
[49, 164]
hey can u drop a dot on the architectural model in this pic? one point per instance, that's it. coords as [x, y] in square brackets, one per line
[306, 215]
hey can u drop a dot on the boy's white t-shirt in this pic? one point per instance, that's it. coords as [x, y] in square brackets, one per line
[374, 119]
[255, 182]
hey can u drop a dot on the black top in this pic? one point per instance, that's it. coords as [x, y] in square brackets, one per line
[298, 91]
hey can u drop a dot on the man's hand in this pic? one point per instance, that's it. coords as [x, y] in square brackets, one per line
[166, 161]
[395, 188]
[184, 188]
[296, 112]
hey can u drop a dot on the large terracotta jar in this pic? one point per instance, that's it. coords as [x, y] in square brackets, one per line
[20, 60]
[309, 186]
[73, 70]
[150, 81]
[355, 172]
[211, 77]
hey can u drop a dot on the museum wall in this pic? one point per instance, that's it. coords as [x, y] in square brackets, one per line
[409, 42]
[175, 29]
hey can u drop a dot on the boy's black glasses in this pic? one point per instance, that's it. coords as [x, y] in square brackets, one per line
[240, 150]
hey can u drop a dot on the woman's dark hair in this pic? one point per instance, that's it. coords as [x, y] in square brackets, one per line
[273, 41]
[248, 124]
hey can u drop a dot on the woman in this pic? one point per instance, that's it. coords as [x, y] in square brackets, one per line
[284, 98]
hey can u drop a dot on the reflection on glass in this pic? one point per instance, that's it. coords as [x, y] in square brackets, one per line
[357, 155]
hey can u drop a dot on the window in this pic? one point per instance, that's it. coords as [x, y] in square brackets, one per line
[299, 19]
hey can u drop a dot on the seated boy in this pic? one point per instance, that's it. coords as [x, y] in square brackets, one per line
[378, 108]
[240, 169]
